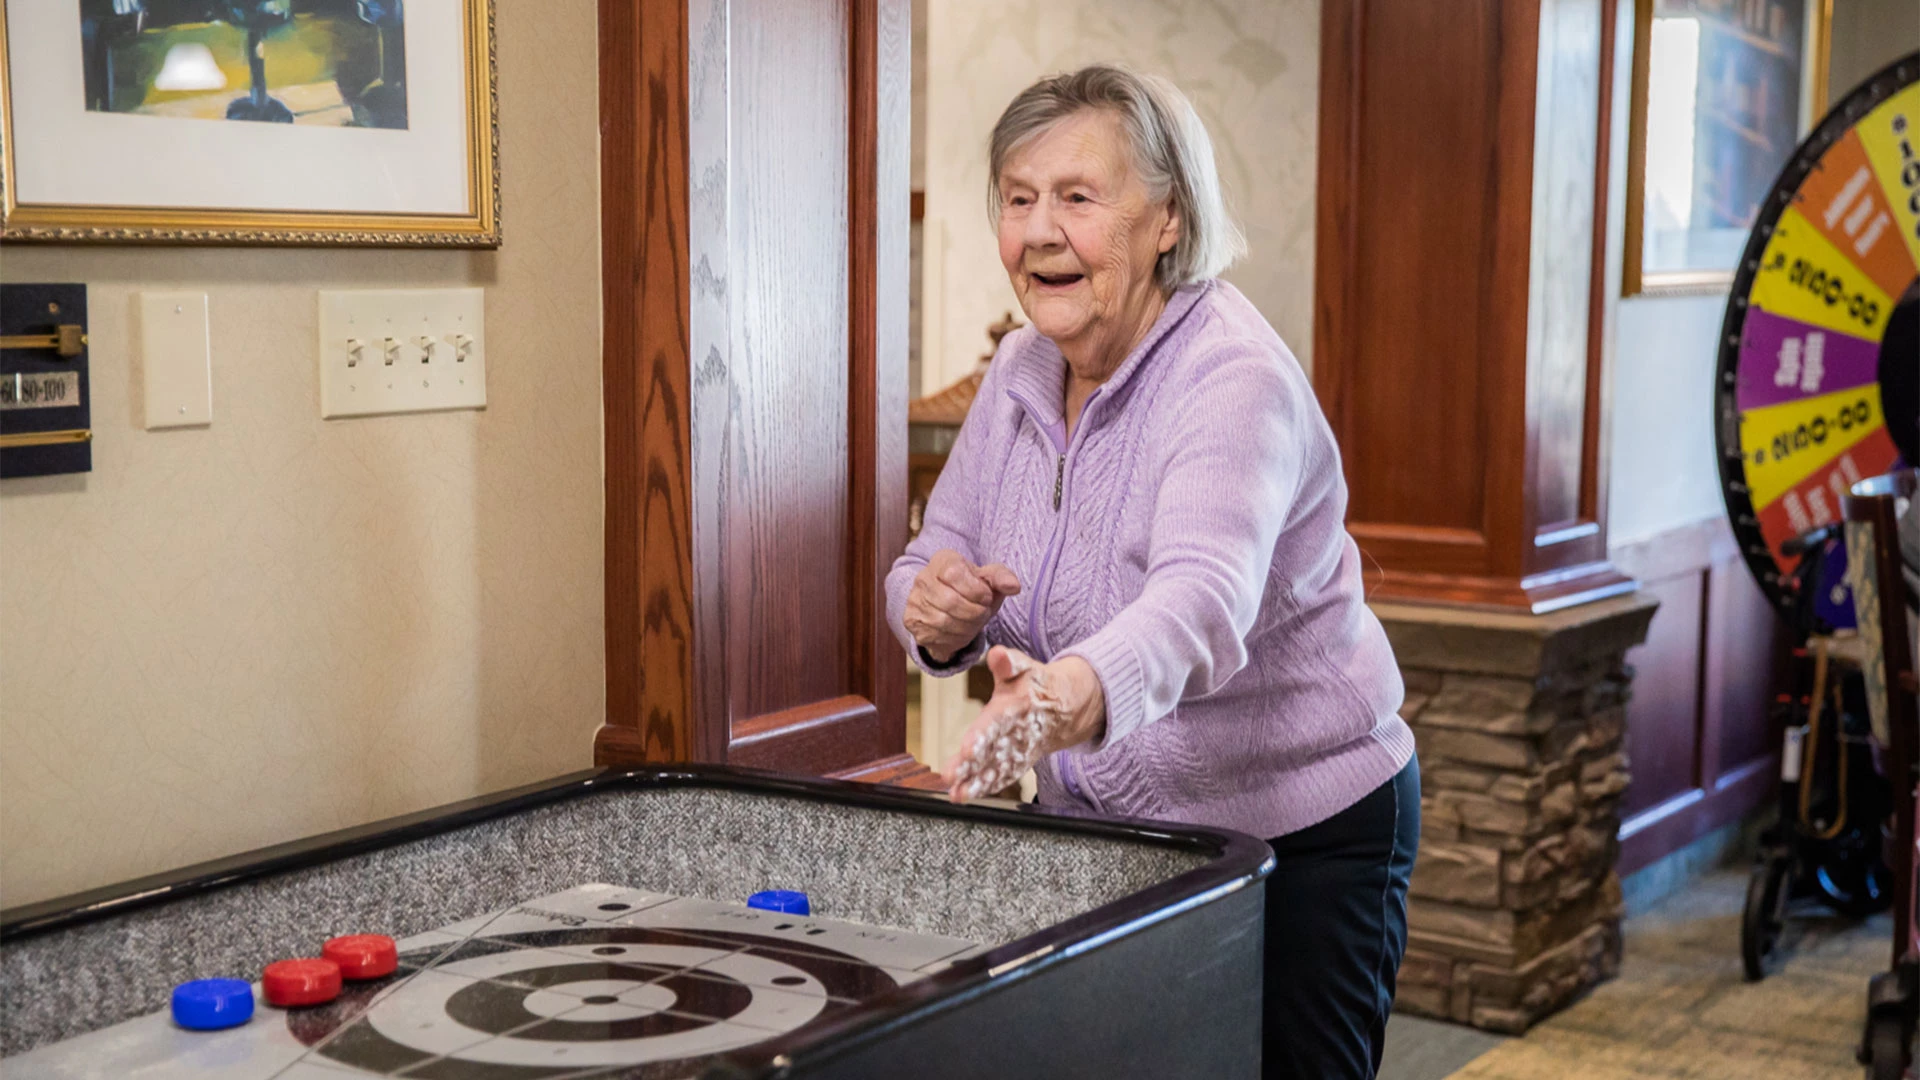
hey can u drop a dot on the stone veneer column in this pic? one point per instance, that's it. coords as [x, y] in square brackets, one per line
[1515, 907]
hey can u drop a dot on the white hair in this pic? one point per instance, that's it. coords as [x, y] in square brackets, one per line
[1170, 150]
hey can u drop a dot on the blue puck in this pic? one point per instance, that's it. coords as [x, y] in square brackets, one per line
[212, 1004]
[785, 901]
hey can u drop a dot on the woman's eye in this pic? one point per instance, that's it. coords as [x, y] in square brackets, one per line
[1076, 197]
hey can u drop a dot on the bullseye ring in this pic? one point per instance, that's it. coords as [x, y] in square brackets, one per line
[565, 1000]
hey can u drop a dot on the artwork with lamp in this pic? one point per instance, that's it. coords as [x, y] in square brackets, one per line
[341, 63]
[293, 122]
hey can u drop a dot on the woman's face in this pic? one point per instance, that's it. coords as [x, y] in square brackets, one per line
[1078, 235]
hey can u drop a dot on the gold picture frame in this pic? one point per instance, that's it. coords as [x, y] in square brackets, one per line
[1637, 279]
[479, 227]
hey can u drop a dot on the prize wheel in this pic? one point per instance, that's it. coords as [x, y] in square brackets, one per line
[1820, 349]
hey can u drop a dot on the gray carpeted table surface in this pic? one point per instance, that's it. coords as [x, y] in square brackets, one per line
[981, 882]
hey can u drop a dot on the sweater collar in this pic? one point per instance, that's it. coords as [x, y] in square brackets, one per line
[1038, 379]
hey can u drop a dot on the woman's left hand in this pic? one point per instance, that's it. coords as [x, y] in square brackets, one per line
[1036, 709]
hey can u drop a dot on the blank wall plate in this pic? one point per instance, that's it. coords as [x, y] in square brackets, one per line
[402, 351]
[175, 359]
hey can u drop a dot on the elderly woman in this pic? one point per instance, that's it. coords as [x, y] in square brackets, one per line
[1140, 527]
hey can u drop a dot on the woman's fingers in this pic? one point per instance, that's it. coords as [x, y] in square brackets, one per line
[965, 581]
[963, 768]
[956, 606]
[1005, 740]
[937, 616]
[944, 627]
[1007, 665]
[1001, 580]
[1036, 709]
[951, 600]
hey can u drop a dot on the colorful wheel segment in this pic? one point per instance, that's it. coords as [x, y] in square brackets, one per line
[1820, 352]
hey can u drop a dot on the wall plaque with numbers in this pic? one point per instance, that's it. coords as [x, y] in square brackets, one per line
[42, 390]
[46, 423]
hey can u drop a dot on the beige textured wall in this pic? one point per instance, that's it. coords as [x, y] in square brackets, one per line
[232, 636]
[1252, 69]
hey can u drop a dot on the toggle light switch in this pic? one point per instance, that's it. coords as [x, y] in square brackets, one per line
[432, 344]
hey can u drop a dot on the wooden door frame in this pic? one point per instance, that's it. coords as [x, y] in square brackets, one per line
[665, 590]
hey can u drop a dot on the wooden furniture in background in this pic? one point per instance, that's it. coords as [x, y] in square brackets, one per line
[1463, 288]
[754, 216]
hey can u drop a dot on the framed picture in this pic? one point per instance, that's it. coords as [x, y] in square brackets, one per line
[1723, 91]
[297, 122]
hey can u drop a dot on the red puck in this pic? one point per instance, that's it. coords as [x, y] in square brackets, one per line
[307, 981]
[362, 956]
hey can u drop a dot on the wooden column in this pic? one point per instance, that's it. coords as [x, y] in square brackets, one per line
[1462, 293]
[754, 231]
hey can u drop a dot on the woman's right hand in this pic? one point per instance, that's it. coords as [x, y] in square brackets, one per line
[952, 600]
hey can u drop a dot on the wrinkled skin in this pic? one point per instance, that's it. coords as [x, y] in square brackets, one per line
[952, 600]
[1079, 238]
[1035, 710]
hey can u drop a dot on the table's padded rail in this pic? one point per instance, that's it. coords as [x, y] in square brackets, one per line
[943, 875]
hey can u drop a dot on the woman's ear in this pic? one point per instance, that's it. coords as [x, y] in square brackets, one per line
[1170, 229]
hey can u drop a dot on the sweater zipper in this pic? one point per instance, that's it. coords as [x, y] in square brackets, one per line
[1057, 540]
[1063, 762]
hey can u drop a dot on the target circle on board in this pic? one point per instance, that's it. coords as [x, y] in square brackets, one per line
[551, 1002]
[1820, 347]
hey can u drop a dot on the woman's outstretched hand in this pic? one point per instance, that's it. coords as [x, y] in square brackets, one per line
[1036, 709]
[952, 600]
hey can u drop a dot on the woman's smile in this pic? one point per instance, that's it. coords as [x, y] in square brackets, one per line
[1056, 282]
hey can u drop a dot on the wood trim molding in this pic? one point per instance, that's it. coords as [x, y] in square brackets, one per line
[1337, 177]
[1648, 836]
[1603, 300]
[815, 738]
[1684, 549]
[645, 371]
[880, 212]
[901, 770]
[1539, 594]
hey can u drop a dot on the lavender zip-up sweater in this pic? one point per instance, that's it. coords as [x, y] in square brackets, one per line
[1189, 543]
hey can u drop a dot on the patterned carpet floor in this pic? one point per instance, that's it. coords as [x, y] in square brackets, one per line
[1680, 1008]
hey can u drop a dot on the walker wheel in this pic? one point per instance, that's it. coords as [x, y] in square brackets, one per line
[1886, 1048]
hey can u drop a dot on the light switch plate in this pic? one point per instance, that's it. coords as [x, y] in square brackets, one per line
[401, 351]
[176, 360]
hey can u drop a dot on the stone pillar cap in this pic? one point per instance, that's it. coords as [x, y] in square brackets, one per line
[1481, 642]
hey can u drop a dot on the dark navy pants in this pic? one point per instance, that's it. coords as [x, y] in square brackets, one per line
[1336, 929]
